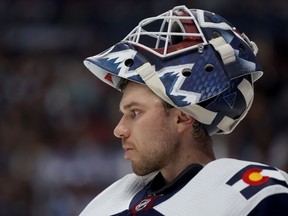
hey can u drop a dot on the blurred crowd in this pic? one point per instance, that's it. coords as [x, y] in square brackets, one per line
[57, 149]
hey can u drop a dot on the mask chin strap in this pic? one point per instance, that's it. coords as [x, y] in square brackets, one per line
[224, 49]
[252, 44]
[149, 76]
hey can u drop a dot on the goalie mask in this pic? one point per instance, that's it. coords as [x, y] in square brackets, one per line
[192, 59]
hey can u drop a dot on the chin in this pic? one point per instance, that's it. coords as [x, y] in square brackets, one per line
[142, 171]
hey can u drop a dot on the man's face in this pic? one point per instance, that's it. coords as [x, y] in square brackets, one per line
[148, 132]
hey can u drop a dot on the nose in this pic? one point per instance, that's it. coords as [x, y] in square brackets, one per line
[121, 131]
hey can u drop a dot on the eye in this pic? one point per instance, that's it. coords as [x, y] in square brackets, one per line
[135, 112]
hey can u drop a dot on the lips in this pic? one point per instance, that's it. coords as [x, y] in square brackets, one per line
[127, 145]
[128, 151]
[127, 148]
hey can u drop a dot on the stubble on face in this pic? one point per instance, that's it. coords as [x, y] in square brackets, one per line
[161, 148]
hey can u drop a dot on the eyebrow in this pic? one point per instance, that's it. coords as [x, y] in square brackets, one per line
[129, 105]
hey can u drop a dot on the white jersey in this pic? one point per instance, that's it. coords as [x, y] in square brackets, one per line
[225, 187]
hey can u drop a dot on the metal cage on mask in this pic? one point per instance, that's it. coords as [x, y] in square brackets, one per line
[170, 33]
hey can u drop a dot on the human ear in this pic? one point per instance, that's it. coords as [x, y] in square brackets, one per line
[184, 121]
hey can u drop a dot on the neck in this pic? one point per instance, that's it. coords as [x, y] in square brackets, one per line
[186, 157]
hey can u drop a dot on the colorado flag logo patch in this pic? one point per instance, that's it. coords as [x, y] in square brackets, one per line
[254, 178]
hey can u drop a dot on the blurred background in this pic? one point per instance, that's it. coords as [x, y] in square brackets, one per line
[57, 149]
